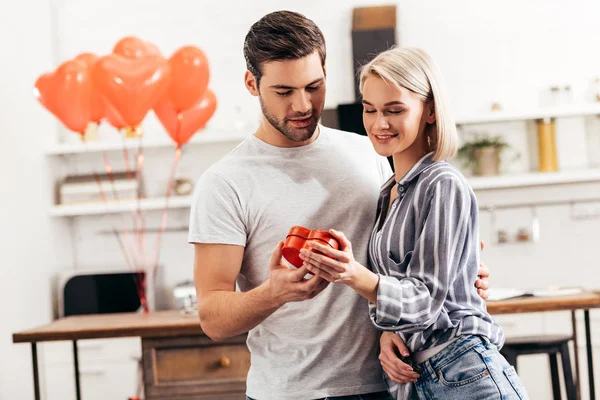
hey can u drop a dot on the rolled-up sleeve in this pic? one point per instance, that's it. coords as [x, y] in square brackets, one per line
[412, 301]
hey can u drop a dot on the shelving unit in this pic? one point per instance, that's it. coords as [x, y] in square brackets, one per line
[114, 207]
[183, 202]
[530, 179]
[535, 179]
[580, 110]
[108, 146]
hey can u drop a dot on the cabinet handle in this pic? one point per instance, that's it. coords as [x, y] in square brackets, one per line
[225, 362]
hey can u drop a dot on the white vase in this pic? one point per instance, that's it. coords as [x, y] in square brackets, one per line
[487, 161]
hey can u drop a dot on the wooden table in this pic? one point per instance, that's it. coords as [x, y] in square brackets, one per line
[169, 341]
[172, 330]
[583, 301]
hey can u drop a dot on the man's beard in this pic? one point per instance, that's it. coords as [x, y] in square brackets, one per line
[292, 133]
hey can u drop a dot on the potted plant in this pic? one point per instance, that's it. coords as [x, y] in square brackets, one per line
[482, 155]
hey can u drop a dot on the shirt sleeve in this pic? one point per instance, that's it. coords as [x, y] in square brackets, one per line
[413, 302]
[216, 214]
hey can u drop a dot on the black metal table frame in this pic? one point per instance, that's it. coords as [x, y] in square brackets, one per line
[36, 376]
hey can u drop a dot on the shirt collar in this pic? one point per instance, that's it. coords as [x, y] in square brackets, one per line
[422, 165]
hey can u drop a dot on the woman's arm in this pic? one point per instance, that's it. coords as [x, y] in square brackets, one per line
[414, 302]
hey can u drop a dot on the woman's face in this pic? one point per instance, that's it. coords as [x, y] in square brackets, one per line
[394, 118]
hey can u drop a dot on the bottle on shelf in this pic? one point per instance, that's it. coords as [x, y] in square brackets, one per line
[546, 137]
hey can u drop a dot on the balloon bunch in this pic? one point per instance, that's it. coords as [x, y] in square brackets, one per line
[120, 89]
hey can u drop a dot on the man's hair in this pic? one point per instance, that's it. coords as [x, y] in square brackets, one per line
[281, 35]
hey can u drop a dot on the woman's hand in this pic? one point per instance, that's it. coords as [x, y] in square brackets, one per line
[339, 266]
[336, 266]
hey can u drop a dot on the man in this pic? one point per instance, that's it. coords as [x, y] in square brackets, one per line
[307, 340]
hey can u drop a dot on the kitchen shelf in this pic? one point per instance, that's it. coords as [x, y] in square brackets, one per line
[209, 137]
[477, 183]
[534, 179]
[540, 113]
[114, 207]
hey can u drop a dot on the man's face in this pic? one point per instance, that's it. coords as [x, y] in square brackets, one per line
[292, 95]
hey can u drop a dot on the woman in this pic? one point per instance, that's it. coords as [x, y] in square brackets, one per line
[424, 247]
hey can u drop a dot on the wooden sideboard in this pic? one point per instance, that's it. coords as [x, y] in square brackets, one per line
[179, 361]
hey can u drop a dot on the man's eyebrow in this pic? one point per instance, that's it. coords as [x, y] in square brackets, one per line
[292, 87]
[390, 103]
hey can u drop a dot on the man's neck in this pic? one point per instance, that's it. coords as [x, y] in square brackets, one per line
[269, 134]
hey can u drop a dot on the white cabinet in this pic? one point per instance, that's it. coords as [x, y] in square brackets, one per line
[108, 369]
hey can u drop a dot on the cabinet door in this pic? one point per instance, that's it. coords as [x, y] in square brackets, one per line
[107, 368]
[100, 382]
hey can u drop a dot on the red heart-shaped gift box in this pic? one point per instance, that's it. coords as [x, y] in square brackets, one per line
[300, 237]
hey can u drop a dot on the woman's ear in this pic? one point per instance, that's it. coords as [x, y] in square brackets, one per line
[251, 83]
[430, 109]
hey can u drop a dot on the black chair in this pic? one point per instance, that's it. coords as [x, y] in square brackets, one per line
[553, 345]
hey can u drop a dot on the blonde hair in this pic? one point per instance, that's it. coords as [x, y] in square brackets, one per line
[415, 70]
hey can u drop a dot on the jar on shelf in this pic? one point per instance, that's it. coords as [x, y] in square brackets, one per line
[546, 136]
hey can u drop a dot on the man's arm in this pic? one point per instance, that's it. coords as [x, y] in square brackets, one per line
[223, 311]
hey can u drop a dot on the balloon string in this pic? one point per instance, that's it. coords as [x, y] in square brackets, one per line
[163, 223]
[126, 233]
[139, 285]
[141, 239]
[126, 158]
[134, 215]
[105, 202]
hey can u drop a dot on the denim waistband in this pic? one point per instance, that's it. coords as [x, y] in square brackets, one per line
[450, 353]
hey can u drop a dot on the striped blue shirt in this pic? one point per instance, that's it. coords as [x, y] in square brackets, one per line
[426, 251]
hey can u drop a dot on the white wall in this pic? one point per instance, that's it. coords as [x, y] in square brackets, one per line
[31, 245]
[488, 52]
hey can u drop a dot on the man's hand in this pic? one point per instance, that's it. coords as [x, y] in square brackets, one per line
[392, 347]
[286, 285]
[482, 284]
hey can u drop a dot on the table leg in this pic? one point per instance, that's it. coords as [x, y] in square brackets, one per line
[36, 375]
[588, 340]
[576, 353]
[76, 365]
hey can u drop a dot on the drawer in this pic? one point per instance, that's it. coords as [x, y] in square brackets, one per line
[195, 366]
[202, 364]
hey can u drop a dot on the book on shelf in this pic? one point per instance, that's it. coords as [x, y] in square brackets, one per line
[97, 189]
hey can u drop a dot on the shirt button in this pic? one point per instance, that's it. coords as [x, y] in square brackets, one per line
[401, 188]
[393, 205]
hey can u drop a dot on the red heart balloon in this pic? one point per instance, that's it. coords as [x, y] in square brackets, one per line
[112, 116]
[181, 126]
[67, 93]
[189, 77]
[132, 86]
[134, 47]
[97, 109]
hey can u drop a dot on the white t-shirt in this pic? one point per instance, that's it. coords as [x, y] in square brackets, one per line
[322, 347]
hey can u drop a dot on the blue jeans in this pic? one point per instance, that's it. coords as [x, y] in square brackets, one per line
[369, 396]
[471, 368]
